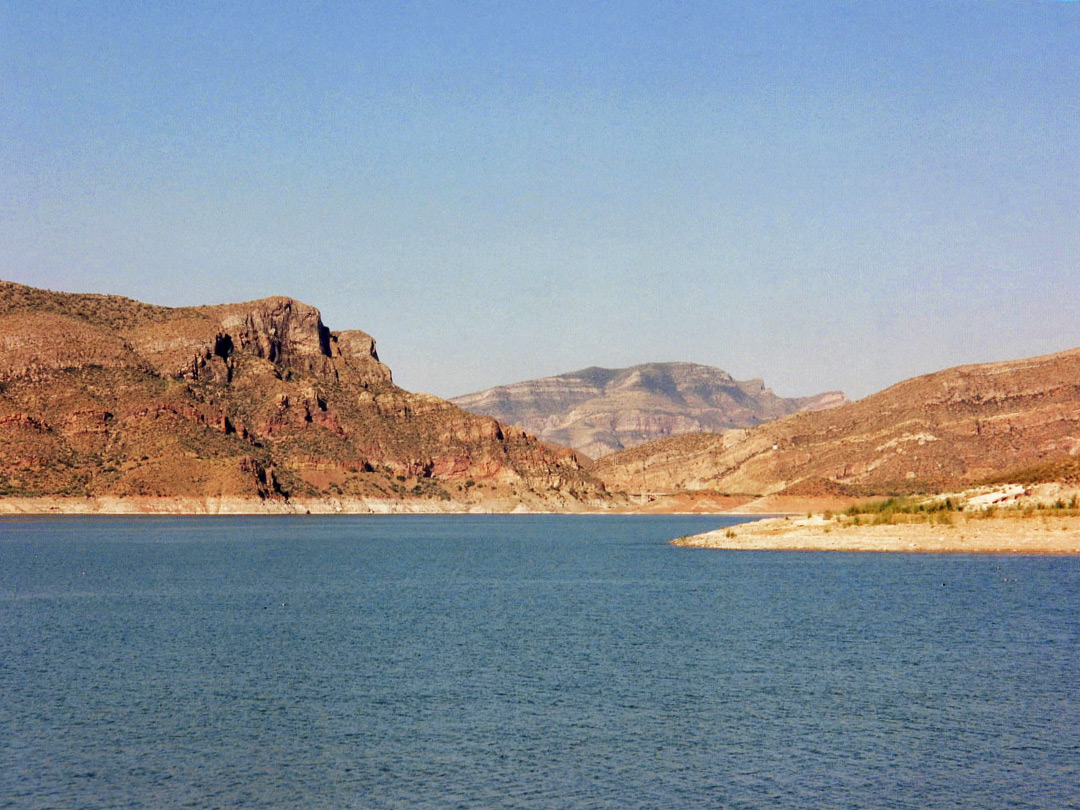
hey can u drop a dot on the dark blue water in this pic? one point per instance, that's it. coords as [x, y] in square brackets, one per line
[533, 662]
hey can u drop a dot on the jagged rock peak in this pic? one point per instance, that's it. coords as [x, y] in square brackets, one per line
[281, 330]
[105, 396]
[74, 330]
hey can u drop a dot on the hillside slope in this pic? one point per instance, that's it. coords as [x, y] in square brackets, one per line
[105, 396]
[599, 411]
[934, 432]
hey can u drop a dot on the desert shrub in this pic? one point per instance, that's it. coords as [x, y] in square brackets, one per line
[1065, 470]
[887, 510]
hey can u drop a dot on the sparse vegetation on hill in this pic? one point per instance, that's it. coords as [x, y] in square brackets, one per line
[1016, 421]
[1065, 470]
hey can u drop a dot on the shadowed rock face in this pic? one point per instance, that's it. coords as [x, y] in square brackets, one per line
[101, 395]
[937, 432]
[601, 411]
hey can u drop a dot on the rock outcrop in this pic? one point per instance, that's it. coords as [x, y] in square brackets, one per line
[599, 411]
[931, 433]
[105, 397]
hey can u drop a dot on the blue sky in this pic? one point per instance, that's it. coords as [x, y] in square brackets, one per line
[824, 194]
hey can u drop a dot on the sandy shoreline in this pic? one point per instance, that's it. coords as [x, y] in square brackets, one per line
[237, 505]
[233, 506]
[1009, 534]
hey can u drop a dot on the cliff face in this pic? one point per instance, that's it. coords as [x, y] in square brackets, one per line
[601, 411]
[936, 432]
[104, 396]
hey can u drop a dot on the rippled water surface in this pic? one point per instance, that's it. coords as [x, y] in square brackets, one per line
[532, 662]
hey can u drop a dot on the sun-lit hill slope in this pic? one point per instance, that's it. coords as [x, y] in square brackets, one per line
[105, 396]
[934, 432]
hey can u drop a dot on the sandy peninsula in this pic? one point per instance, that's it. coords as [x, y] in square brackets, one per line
[1012, 520]
[1007, 535]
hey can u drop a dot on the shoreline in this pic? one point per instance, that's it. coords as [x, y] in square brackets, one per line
[181, 506]
[240, 506]
[970, 533]
[252, 505]
[229, 505]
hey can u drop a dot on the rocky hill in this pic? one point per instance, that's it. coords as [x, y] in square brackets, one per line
[599, 411]
[105, 397]
[932, 433]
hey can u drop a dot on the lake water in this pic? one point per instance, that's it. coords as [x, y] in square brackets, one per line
[525, 662]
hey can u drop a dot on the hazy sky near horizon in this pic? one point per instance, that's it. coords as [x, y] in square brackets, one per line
[824, 194]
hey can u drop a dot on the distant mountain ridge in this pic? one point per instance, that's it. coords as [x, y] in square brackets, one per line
[599, 411]
[938, 432]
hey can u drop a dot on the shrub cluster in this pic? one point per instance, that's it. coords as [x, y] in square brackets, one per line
[906, 510]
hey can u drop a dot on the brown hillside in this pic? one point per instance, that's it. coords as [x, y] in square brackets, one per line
[105, 396]
[935, 432]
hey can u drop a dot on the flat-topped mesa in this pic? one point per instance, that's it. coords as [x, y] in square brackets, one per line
[42, 330]
[288, 333]
[74, 331]
[600, 411]
[285, 332]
